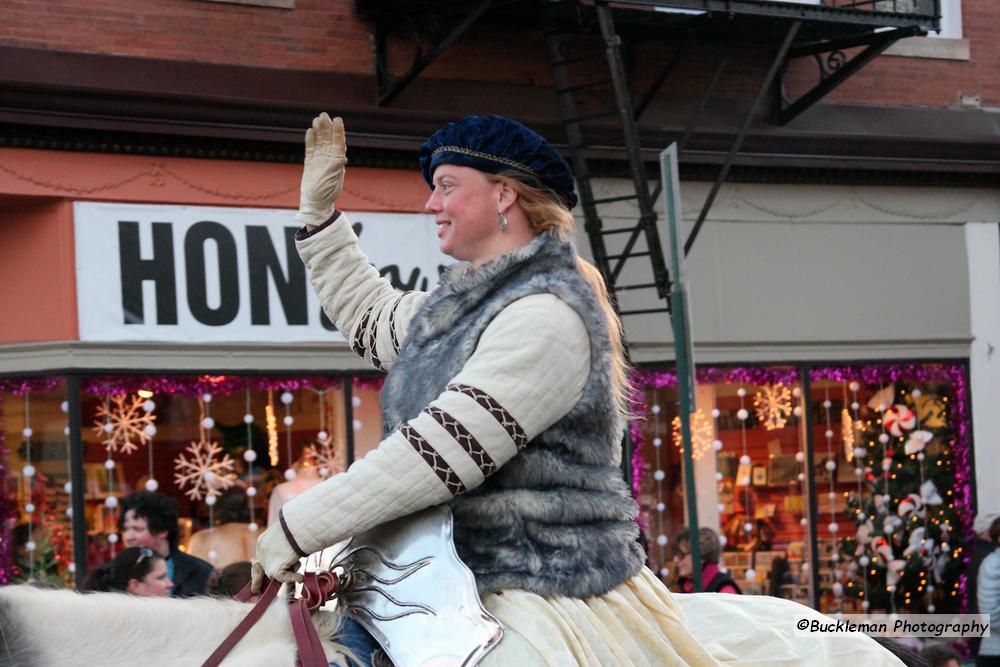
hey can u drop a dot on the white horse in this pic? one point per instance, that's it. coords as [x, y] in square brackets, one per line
[61, 627]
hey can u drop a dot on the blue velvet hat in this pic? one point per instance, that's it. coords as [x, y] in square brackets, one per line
[493, 144]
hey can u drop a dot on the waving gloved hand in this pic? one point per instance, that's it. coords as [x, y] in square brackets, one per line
[323, 174]
[275, 558]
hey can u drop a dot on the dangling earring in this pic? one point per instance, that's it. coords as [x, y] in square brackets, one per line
[503, 222]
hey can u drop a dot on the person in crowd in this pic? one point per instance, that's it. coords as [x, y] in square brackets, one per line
[505, 400]
[981, 548]
[713, 578]
[941, 655]
[988, 596]
[149, 519]
[136, 570]
[230, 580]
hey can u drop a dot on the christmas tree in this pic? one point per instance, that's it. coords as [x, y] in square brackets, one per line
[907, 553]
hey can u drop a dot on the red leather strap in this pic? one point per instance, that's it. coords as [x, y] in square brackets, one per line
[317, 588]
[248, 622]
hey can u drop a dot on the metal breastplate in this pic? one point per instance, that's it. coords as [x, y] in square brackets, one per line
[405, 584]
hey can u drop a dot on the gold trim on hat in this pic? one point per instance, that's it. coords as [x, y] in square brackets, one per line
[486, 156]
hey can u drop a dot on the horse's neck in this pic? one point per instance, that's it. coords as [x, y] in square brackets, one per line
[113, 628]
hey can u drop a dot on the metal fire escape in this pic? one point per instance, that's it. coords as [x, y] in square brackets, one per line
[840, 35]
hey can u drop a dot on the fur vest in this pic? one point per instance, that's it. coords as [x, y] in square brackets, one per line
[557, 519]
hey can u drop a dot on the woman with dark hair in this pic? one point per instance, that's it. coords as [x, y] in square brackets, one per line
[505, 402]
[136, 570]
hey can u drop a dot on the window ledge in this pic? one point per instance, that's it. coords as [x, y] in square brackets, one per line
[942, 48]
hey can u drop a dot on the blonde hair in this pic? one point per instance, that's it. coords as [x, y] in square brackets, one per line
[545, 213]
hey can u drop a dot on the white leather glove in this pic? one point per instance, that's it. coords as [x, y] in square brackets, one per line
[323, 172]
[275, 558]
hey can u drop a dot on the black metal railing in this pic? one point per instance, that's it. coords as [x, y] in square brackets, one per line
[907, 7]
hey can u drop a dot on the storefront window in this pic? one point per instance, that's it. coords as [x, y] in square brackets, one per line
[36, 541]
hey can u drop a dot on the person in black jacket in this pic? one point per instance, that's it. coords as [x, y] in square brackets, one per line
[150, 520]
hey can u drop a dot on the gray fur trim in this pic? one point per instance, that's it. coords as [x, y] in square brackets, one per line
[15, 647]
[558, 518]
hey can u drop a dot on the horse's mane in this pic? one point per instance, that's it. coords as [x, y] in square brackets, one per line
[65, 627]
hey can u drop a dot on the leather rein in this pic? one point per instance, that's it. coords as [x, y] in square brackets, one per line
[317, 588]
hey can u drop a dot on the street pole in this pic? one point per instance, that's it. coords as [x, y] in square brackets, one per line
[683, 344]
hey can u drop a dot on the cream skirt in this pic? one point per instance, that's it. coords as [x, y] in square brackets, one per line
[641, 623]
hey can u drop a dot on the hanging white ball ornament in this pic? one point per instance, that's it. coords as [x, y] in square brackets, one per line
[804, 521]
[741, 392]
[659, 475]
[288, 420]
[796, 392]
[108, 427]
[252, 527]
[28, 470]
[860, 452]
[830, 465]
[657, 442]
[211, 499]
[716, 413]
[322, 435]
[29, 508]
[27, 432]
[356, 401]
[287, 398]
[64, 406]
[66, 431]
[206, 397]
[324, 472]
[655, 409]
[660, 507]
[718, 477]
[721, 508]
[886, 463]
[832, 495]
[854, 386]
[930, 588]
[750, 574]
[212, 555]
[797, 411]
[248, 418]
[290, 474]
[742, 414]
[748, 527]
[152, 485]
[801, 476]
[916, 393]
[864, 561]
[69, 512]
[833, 527]
[251, 491]
[921, 456]
[858, 472]
[931, 609]
[745, 460]
[111, 502]
[112, 538]
[828, 434]
[30, 545]
[717, 445]
[827, 403]
[208, 423]
[249, 456]
[838, 589]
[148, 405]
[662, 540]
[883, 438]
[356, 424]
[723, 540]
[209, 477]
[800, 456]
[149, 430]
[835, 556]
[68, 487]
[664, 572]
[71, 567]
[865, 604]
[110, 464]
[855, 406]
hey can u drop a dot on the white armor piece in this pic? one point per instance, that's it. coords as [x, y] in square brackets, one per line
[405, 584]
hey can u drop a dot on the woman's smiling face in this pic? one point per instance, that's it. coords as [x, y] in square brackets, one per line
[465, 203]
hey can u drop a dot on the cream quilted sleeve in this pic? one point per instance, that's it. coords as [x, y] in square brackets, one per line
[364, 307]
[528, 370]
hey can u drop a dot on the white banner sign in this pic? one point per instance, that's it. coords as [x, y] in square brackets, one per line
[198, 274]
